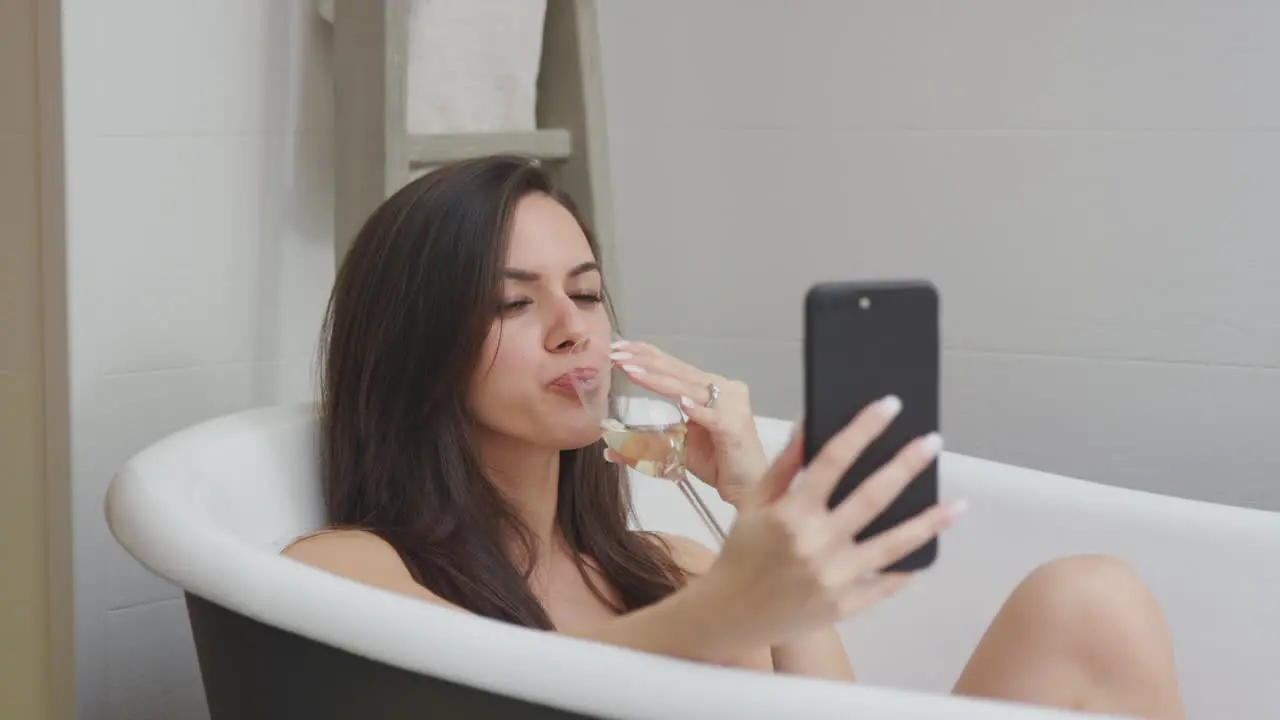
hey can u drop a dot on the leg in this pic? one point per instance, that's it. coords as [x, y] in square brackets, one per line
[1082, 633]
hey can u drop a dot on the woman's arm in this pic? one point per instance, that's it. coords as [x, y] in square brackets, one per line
[819, 654]
[696, 559]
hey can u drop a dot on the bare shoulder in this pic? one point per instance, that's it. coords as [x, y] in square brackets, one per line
[339, 550]
[361, 556]
[688, 553]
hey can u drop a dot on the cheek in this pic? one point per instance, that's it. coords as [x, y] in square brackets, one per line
[503, 380]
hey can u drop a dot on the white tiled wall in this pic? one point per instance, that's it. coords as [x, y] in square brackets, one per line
[1091, 184]
[199, 195]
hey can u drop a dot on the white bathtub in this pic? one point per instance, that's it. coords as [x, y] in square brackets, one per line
[209, 508]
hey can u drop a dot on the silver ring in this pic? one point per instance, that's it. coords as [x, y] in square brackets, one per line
[713, 394]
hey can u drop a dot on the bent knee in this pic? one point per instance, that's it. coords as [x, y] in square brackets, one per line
[1087, 577]
[1092, 598]
[1087, 584]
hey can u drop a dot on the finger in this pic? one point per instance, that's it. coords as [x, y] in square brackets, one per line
[700, 414]
[865, 593]
[642, 362]
[896, 543]
[835, 457]
[878, 491]
[670, 387]
[650, 356]
[669, 381]
[711, 418]
[686, 394]
[782, 472]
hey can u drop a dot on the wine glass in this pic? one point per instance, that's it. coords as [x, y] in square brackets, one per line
[644, 428]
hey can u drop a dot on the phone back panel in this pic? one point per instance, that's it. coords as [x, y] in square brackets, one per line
[864, 341]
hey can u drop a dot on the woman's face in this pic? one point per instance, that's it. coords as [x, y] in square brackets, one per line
[551, 299]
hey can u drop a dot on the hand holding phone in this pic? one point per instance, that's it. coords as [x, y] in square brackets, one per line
[869, 448]
[788, 565]
[865, 341]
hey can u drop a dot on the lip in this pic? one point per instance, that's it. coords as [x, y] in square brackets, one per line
[564, 383]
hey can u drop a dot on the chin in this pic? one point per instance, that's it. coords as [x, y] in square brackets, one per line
[572, 435]
[568, 429]
[577, 440]
[552, 438]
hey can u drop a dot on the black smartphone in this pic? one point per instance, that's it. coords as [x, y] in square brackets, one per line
[863, 341]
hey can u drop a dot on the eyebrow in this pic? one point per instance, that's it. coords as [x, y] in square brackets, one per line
[529, 276]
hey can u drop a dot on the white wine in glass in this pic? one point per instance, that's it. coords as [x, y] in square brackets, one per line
[654, 450]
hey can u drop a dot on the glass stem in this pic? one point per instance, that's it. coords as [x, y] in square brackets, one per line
[704, 512]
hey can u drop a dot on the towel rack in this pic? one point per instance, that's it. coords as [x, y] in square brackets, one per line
[374, 154]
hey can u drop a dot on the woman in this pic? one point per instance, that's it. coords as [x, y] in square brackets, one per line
[459, 468]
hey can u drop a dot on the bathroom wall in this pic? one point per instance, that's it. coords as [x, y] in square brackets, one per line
[1089, 183]
[199, 256]
[1092, 185]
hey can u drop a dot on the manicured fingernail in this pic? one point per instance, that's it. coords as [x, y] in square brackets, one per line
[618, 344]
[633, 369]
[890, 406]
[620, 356]
[607, 456]
[686, 401]
[956, 508]
[931, 444]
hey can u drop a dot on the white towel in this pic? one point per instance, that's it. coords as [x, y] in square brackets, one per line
[472, 64]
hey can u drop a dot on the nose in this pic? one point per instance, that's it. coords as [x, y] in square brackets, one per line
[568, 327]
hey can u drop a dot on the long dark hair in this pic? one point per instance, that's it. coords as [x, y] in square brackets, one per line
[411, 307]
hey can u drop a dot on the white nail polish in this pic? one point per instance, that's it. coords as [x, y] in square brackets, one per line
[633, 369]
[616, 344]
[931, 445]
[956, 508]
[686, 401]
[620, 356]
[890, 406]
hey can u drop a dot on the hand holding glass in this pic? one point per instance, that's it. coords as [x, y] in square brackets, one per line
[642, 427]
